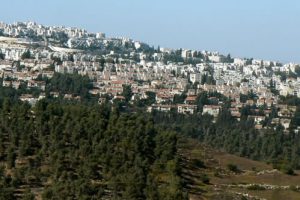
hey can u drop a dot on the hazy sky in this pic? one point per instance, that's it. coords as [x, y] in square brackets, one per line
[268, 29]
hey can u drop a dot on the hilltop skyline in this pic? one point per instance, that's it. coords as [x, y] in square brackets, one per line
[263, 30]
[91, 108]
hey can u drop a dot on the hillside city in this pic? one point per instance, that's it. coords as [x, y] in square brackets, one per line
[174, 79]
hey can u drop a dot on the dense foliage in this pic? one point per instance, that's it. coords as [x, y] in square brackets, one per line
[81, 152]
[77, 149]
[274, 146]
[70, 84]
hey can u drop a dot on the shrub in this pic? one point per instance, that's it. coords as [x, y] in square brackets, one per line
[217, 174]
[198, 163]
[205, 179]
[295, 188]
[233, 168]
[255, 187]
[289, 171]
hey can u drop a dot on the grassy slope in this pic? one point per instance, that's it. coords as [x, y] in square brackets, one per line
[252, 172]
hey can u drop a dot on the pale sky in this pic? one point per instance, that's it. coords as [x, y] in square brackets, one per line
[266, 29]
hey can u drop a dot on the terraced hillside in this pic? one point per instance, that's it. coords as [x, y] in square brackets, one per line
[211, 174]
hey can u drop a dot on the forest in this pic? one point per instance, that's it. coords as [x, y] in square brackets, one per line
[83, 150]
[73, 151]
[239, 138]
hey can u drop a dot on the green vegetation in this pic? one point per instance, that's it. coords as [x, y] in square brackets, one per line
[256, 179]
[233, 168]
[2, 56]
[70, 84]
[26, 55]
[83, 152]
[205, 179]
[255, 187]
[80, 150]
[127, 92]
[198, 163]
[235, 137]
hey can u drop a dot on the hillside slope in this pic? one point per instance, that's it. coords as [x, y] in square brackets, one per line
[211, 174]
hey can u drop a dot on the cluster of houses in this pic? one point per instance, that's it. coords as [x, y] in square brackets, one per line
[265, 112]
[148, 72]
[31, 32]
